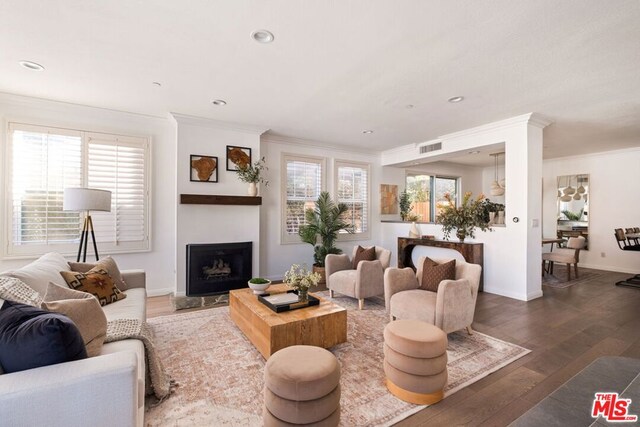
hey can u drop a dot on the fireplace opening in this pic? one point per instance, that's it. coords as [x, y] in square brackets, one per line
[216, 268]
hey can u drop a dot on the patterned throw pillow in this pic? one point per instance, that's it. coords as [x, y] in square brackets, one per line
[95, 281]
[363, 254]
[12, 289]
[107, 263]
[434, 273]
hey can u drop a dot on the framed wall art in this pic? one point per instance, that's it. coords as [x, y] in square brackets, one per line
[237, 157]
[203, 168]
[388, 199]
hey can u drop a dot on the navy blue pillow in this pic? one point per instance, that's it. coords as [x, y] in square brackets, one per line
[30, 338]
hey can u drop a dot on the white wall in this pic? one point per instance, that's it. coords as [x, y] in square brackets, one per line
[159, 262]
[614, 202]
[277, 257]
[212, 223]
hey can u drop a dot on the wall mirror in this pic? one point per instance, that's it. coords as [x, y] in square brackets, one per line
[573, 206]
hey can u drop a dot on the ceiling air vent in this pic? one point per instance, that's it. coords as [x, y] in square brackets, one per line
[431, 147]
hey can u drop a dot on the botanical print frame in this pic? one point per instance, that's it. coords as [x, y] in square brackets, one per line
[203, 168]
[237, 156]
[388, 199]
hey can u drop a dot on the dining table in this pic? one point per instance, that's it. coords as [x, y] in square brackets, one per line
[551, 241]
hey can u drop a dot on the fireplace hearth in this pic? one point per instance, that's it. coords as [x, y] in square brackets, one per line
[216, 268]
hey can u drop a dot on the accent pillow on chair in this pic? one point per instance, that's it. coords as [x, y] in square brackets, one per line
[84, 310]
[434, 273]
[95, 281]
[31, 338]
[363, 254]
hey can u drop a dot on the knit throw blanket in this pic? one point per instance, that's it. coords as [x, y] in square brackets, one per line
[156, 379]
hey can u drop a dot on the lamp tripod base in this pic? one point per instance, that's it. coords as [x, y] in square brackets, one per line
[87, 228]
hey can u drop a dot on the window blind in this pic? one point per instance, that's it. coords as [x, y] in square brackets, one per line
[43, 161]
[304, 178]
[353, 190]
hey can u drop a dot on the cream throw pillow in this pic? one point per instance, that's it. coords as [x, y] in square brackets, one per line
[84, 310]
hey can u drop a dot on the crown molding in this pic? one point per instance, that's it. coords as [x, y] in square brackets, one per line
[534, 119]
[184, 119]
[45, 103]
[288, 140]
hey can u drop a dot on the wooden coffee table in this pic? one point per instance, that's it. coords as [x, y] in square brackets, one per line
[324, 325]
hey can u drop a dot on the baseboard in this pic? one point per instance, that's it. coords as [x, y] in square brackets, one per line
[610, 268]
[508, 294]
[534, 295]
[159, 292]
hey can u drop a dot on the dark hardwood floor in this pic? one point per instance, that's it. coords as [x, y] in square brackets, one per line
[566, 330]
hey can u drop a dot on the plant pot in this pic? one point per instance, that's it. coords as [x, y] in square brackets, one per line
[259, 288]
[500, 217]
[323, 275]
[252, 190]
[492, 217]
[414, 232]
[303, 294]
[461, 234]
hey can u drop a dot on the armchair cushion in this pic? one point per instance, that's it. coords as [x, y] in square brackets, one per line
[344, 282]
[434, 273]
[414, 304]
[362, 254]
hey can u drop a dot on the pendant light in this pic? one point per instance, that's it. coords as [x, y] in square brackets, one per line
[497, 186]
[577, 196]
[581, 189]
[569, 190]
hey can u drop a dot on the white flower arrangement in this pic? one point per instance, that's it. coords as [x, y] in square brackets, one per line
[299, 278]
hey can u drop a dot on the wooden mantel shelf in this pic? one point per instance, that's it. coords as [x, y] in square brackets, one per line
[210, 199]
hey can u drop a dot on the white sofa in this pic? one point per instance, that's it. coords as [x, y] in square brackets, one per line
[106, 390]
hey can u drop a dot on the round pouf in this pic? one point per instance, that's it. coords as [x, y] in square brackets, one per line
[415, 361]
[302, 387]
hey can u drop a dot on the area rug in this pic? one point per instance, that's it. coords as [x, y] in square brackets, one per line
[220, 373]
[559, 277]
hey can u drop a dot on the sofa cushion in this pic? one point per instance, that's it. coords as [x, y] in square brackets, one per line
[16, 290]
[133, 307]
[363, 254]
[39, 273]
[107, 263]
[31, 338]
[96, 281]
[84, 310]
[434, 273]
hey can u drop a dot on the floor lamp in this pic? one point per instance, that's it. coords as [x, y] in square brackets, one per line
[86, 200]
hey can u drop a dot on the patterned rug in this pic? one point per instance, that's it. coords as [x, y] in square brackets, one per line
[559, 277]
[220, 373]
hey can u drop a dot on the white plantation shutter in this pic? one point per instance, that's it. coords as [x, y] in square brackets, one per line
[118, 164]
[43, 161]
[352, 189]
[303, 178]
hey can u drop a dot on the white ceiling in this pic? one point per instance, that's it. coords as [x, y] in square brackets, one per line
[339, 67]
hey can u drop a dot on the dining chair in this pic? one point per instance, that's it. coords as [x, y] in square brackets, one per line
[631, 230]
[622, 238]
[569, 256]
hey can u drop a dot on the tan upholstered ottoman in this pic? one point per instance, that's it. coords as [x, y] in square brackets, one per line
[302, 387]
[415, 361]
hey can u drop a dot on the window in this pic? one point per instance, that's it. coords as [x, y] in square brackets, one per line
[304, 179]
[44, 161]
[426, 193]
[352, 189]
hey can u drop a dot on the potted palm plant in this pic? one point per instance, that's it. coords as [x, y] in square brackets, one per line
[464, 218]
[323, 223]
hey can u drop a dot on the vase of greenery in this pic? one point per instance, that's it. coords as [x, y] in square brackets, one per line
[321, 229]
[300, 280]
[464, 219]
[405, 205]
[253, 174]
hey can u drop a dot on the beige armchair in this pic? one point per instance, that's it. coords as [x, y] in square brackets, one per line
[364, 282]
[450, 309]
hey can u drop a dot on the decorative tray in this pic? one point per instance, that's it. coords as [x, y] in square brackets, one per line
[288, 301]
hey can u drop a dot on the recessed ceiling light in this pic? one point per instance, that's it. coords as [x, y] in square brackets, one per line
[456, 99]
[367, 131]
[219, 102]
[474, 152]
[156, 84]
[262, 36]
[409, 106]
[31, 65]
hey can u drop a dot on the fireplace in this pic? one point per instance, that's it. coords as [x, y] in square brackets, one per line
[216, 268]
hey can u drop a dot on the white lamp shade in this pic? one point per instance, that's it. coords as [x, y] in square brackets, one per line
[86, 199]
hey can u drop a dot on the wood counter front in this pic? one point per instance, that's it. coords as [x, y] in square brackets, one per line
[471, 252]
[324, 325]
